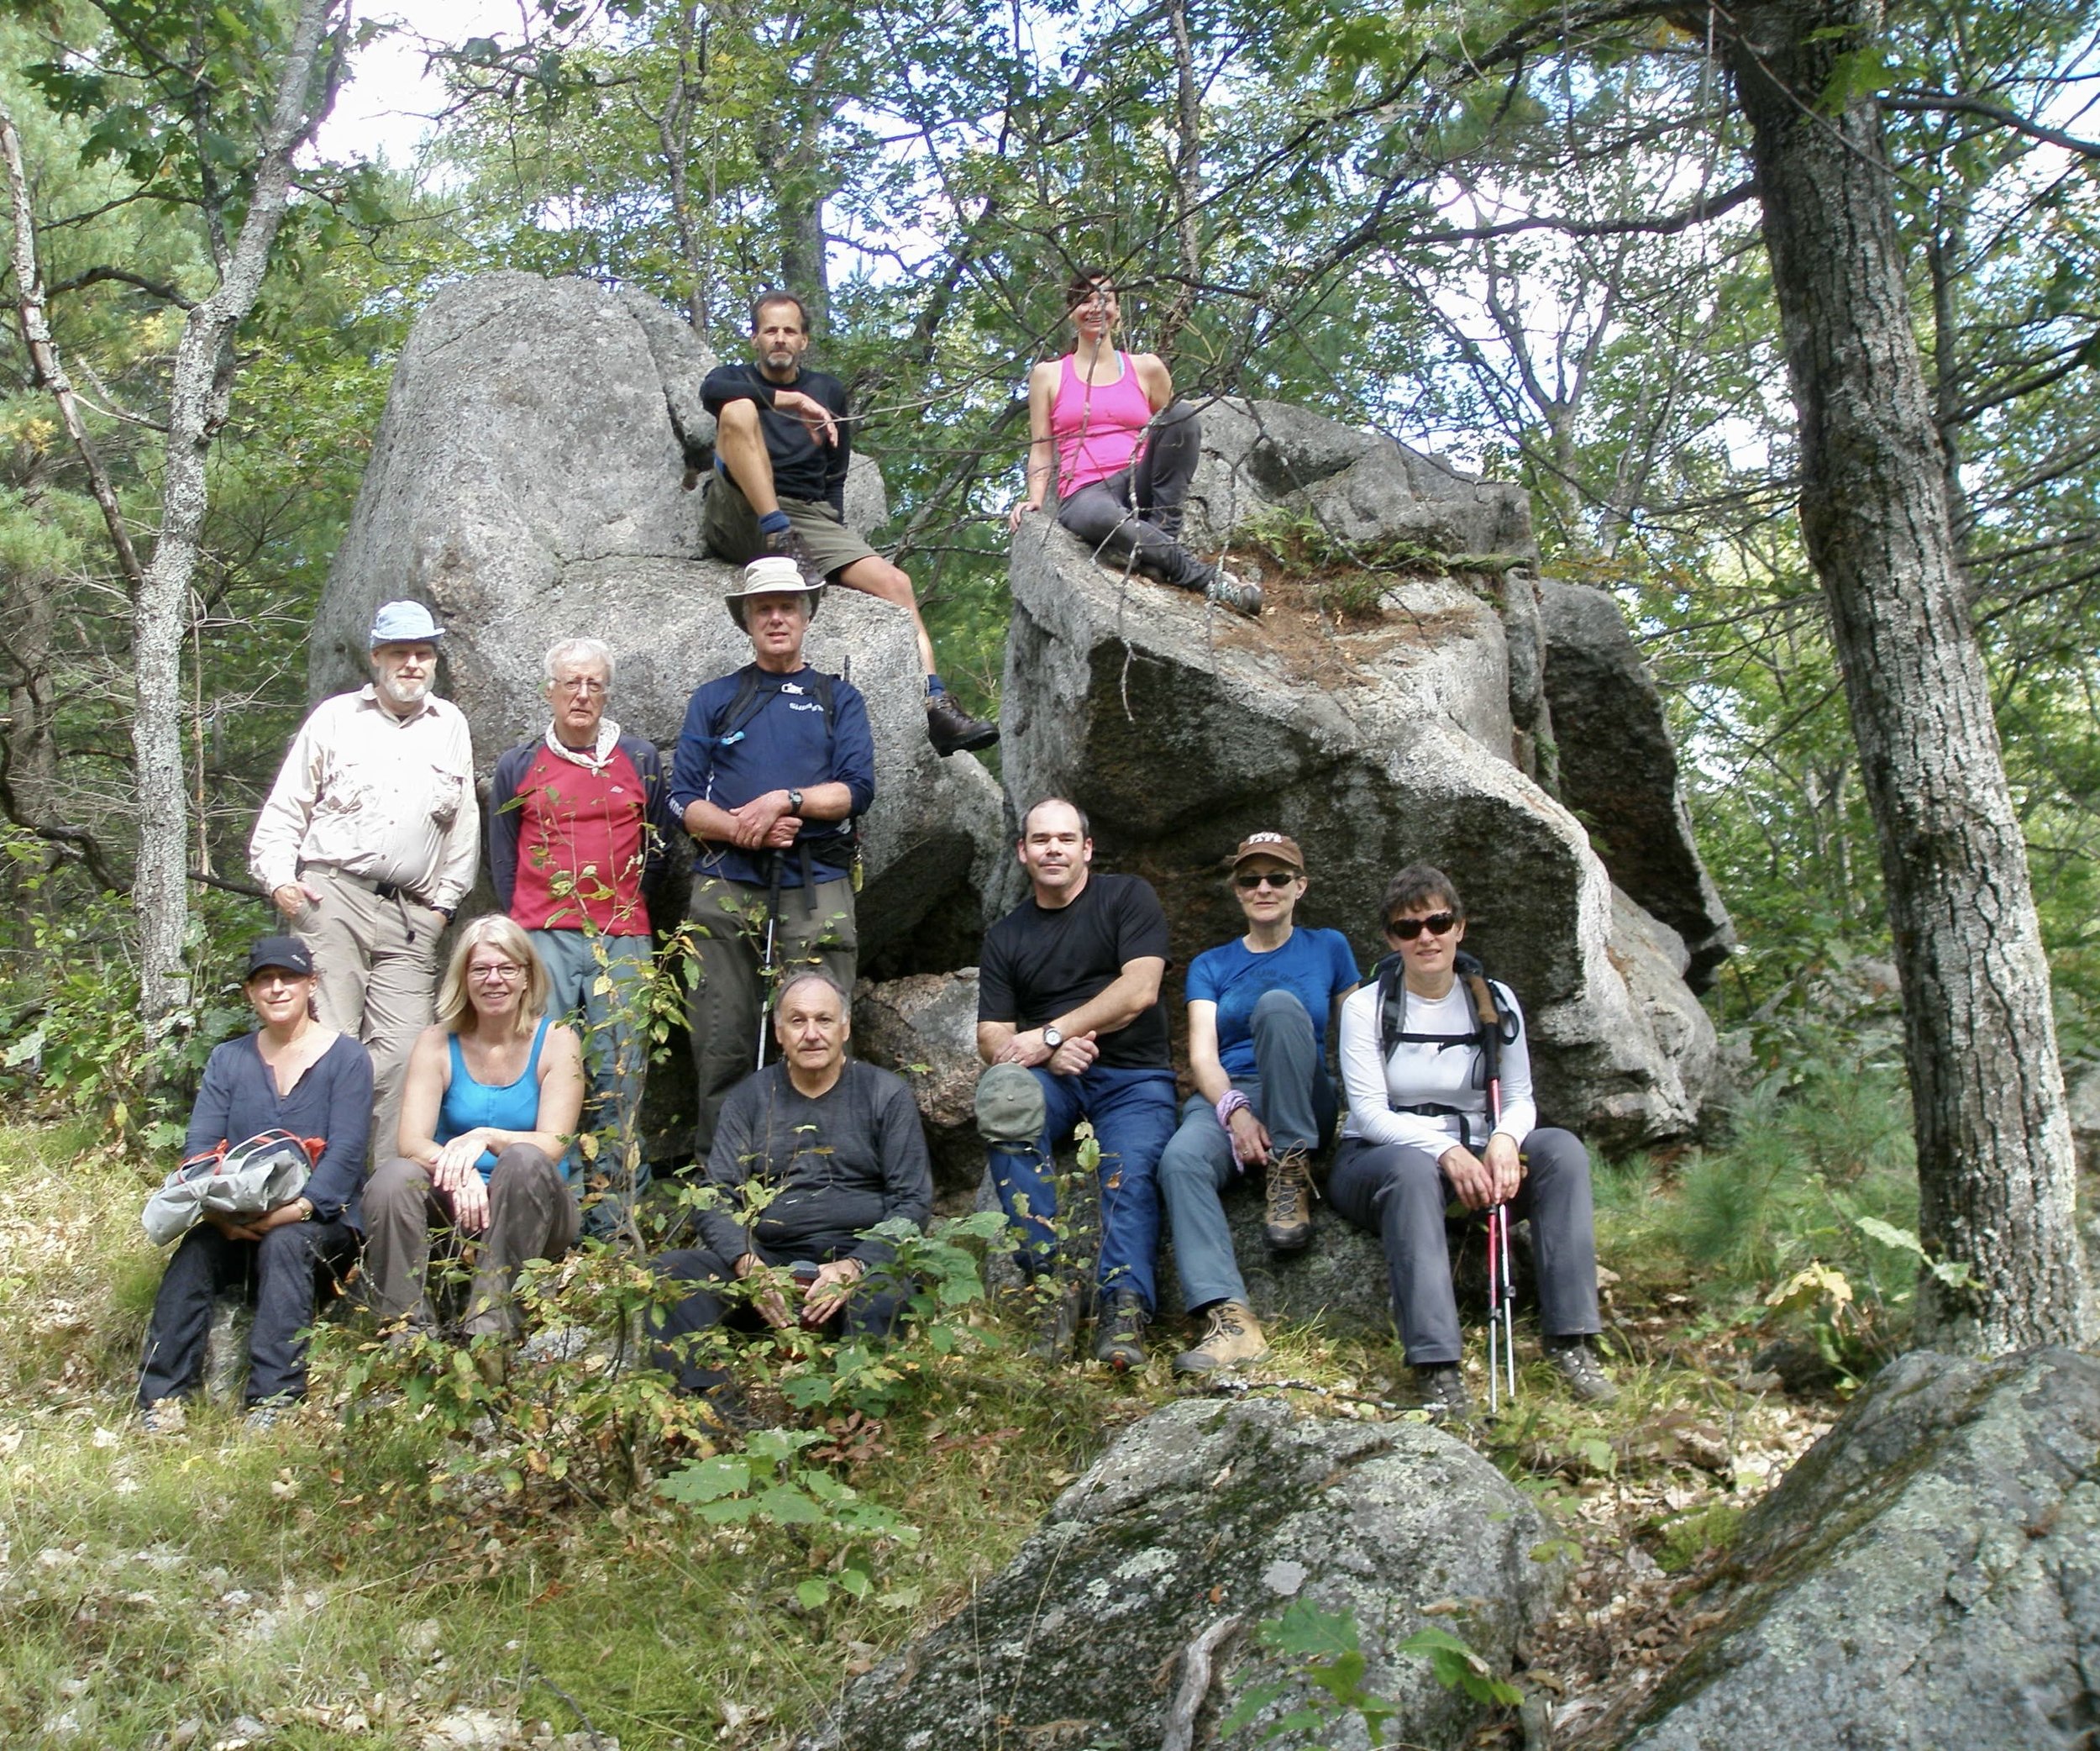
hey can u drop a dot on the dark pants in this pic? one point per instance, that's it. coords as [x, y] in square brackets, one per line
[1290, 1094]
[533, 1214]
[1132, 1113]
[1400, 1194]
[874, 1306]
[280, 1272]
[1136, 513]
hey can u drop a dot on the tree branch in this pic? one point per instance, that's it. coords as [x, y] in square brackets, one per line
[98, 275]
[1953, 102]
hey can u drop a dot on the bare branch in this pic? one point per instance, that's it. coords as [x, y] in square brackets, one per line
[99, 275]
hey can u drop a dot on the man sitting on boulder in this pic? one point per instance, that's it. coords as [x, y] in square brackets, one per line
[772, 766]
[1069, 996]
[835, 1146]
[783, 442]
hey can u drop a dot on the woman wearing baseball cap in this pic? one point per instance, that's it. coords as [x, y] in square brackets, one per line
[1258, 1012]
[290, 1075]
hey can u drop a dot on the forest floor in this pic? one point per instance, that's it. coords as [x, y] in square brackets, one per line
[489, 1574]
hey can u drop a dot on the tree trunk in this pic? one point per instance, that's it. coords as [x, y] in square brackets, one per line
[1995, 1170]
[196, 407]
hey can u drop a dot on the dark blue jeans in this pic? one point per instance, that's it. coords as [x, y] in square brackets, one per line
[1132, 1113]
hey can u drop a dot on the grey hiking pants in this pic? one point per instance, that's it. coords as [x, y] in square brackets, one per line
[1400, 1194]
[1136, 513]
[1290, 1094]
[533, 1214]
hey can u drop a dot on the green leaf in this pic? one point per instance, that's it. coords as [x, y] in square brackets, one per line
[813, 1591]
[708, 1479]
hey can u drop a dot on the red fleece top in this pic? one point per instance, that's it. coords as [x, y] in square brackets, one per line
[585, 833]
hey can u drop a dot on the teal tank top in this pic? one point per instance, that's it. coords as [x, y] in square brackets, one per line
[509, 1106]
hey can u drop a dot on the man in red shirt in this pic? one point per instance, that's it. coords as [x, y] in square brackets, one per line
[578, 820]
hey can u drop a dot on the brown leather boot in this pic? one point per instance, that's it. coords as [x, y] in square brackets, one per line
[1232, 1339]
[1289, 1228]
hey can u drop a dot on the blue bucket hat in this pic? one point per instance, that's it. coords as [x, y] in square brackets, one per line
[404, 623]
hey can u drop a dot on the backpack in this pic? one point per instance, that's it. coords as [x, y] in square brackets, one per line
[245, 1179]
[1497, 1026]
[744, 705]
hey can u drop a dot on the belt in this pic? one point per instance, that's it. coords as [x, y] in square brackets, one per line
[384, 890]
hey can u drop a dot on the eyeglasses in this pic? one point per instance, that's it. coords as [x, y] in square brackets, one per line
[1437, 923]
[1266, 878]
[588, 686]
[499, 971]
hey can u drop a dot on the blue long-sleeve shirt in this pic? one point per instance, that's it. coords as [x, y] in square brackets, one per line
[783, 744]
[333, 1100]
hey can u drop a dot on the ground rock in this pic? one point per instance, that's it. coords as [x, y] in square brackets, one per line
[1928, 1575]
[924, 1027]
[1617, 768]
[2083, 1090]
[527, 482]
[1207, 1510]
[1260, 457]
[1181, 729]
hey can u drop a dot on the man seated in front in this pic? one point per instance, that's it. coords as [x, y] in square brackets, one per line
[811, 1151]
[783, 443]
[1068, 990]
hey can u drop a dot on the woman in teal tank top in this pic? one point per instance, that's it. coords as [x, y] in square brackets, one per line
[488, 1120]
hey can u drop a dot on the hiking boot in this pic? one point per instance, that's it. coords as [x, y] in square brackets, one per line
[953, 730]
[1441, 1390]
[165, 1417]
[1575, 1361]
[1232, 1339]
[790, 543]
[1288, 1226]
[1056, 1333]
[266, 1413]
[1118, 1332]
[1241, 595]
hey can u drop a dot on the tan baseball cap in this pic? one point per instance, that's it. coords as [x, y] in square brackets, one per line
[1280, 846]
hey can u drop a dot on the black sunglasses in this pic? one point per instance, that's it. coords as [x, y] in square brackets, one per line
[1437, 923]
[1266, 878]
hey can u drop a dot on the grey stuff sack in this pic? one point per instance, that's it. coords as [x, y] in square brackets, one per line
[267, 1170]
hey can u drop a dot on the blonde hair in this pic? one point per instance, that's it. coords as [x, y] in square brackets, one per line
[456, 1005]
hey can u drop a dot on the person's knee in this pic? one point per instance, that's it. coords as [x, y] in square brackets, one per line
[289, 1246]
[874, 576]
[521, 1163]
[1178, 416]
[1183, 1163]
[1552, 1153]
[1280, 1010]
[738, 419]
[397, 1184]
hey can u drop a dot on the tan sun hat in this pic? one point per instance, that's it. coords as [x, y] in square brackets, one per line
[775, 574]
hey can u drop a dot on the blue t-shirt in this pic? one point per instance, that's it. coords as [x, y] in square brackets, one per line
[1314, 966]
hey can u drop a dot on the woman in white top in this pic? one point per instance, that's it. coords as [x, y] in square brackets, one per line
[1418, 1136]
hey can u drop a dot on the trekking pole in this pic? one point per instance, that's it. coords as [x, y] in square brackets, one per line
[769, 967]
[1502, 1341]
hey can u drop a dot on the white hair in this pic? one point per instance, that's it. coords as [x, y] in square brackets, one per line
[814, 976]
[580, 651]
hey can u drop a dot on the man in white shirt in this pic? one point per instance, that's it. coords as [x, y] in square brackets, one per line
[367, 844]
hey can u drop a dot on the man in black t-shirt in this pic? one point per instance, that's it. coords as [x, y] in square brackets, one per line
[783, 443]
[1068, 988]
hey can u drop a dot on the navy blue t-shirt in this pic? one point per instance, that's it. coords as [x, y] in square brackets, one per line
[1039, 964]
[785, 744]
[1316, 966]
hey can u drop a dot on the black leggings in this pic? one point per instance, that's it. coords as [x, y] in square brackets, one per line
[1136, 513]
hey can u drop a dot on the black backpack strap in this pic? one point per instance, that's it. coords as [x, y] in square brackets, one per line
[743, 706]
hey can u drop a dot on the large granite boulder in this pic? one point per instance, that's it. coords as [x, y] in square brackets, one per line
[1618, 769]
[1206, 1512]
[1180, 729]
[526, 482]
[924, 1027]
[1928, 1575]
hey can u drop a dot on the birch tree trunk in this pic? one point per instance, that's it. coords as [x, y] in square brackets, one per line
[203, 382]
[1995, 1170]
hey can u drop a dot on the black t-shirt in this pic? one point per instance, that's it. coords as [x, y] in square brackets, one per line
[1038, 964]
[802, 467]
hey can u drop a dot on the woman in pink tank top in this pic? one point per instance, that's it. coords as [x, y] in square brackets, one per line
[1105, 427]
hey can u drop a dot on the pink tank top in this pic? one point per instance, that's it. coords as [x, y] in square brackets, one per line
[1100, 428]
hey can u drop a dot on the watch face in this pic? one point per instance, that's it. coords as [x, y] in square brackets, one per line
[1052, 1038]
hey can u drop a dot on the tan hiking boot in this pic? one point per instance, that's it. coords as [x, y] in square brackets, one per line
[1289, 1228]
[1232, 1339]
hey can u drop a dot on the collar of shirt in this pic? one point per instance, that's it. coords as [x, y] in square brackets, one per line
[593, 759]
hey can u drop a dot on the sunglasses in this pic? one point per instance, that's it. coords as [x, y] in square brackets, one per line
[1266, 878]
[1437, 923]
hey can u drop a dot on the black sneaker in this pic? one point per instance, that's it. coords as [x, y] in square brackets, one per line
[953, 730]
[1441, 1390]
[1575, 1361]
[1055, 1313]
[1119, 1331]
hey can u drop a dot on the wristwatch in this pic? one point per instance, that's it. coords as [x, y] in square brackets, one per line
[1051, 1038]
[795, 802]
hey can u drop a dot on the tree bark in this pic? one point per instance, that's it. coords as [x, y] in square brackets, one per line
[1995, 1169]
[198, 394]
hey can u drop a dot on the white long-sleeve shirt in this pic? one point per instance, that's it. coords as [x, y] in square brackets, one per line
[1422, 1074]
[388, 798]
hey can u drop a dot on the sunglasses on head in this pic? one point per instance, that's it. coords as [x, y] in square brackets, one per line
[1266, 878]
[1437, 923]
